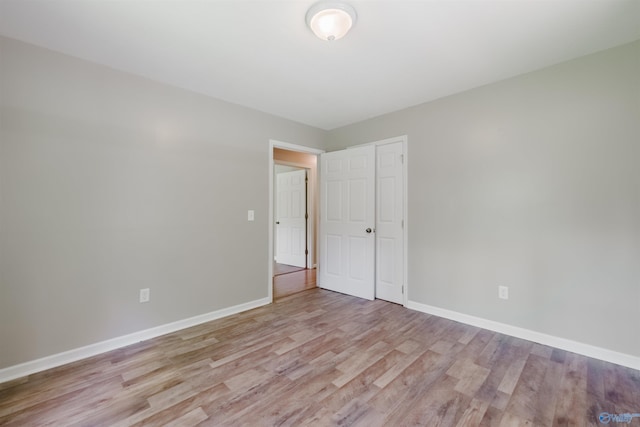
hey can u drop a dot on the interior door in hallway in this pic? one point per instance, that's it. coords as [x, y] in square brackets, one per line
[390, 222]
[347, 221]
[291, 222]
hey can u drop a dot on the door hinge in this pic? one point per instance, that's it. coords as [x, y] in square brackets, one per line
[306, 251]
[306, 216]
[402, 223]
[402, 158]
[402, 289]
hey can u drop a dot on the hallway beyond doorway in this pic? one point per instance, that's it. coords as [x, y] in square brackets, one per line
[288, 283]
[279, 269]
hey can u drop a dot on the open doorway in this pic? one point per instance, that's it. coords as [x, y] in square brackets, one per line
[293, 217]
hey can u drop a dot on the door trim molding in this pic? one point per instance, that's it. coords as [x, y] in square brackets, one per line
[291, 147]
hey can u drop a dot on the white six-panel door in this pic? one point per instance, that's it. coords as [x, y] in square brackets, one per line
[347, 221]
[291, 226]
[389, 222]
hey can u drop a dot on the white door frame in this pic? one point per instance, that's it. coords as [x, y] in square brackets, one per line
[291, 147]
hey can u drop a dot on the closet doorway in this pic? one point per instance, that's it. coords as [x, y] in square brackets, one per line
[363, 227]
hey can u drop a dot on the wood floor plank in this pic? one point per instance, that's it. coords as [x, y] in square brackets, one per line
[548, 394]
[492, 417]
[523, 401]
[289, 282]
[159, 416]
[323, 358]
[573, 392]
[191, 418]
[399, 396]
[107, 413]
[397, 368]
[357, 363]
[511, 377]
[440, 404]
[68, 405]
[474, 413]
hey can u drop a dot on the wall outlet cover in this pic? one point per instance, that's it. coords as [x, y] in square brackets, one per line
[145, 295]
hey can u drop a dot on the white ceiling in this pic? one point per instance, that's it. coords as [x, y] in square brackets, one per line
[260, 54]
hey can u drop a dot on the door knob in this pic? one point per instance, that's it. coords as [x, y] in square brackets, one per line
[277, 222]
[368, 230]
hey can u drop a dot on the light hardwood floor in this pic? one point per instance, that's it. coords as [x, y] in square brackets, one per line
[289, 283]
[279, 269]
[322, 358]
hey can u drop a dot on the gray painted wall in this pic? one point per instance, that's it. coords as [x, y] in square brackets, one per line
[110, 183]
[532, 183]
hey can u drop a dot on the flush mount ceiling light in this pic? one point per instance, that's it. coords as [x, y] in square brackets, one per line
[331, 20]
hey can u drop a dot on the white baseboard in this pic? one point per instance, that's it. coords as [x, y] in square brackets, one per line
[529, 335]
[48, 362]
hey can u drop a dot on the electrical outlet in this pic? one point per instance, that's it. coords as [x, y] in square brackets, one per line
[145, 295]
[250, 215]
[503, 292]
